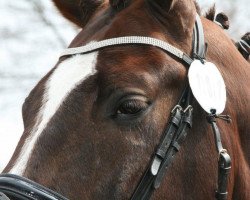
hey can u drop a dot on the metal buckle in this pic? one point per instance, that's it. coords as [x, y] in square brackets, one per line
[189, 107]
[176, 108]
[223, 151]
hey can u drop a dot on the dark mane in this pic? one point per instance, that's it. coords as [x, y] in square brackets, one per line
[210, 14]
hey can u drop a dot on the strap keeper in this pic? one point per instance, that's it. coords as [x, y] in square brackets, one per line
[188, 118]
[176, 146]
[160, 153]
[176, 118]
[221, 196]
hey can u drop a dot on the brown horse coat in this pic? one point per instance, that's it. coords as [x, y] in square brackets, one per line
[97, 147]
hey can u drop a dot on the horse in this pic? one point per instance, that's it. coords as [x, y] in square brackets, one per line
[92, 123]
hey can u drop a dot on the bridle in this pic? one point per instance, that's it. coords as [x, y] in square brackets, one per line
[20, 188]
[173, 136]
[244, 47]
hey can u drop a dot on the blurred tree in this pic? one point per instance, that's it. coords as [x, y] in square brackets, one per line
[39, 8]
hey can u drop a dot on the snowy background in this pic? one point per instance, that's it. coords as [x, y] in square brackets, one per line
[32, 35]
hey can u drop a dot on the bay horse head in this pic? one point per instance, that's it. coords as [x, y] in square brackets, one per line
[92, 123]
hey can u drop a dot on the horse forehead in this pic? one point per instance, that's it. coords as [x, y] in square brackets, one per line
[71, 72]
[66, 76]
[138, 65]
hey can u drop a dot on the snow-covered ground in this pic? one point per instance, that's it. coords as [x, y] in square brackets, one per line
[32, 34]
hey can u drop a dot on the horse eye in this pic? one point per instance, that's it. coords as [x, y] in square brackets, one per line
[132, 106]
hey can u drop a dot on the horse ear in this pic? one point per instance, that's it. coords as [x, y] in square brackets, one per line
[177, 16]
[78, 11]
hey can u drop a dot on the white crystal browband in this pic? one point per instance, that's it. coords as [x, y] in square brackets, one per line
[92, 46]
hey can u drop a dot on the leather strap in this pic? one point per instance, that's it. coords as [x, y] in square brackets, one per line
[224, 163]
[224, 166]
[175, 133]
[175, 145]
[199, 47]
[173, 137]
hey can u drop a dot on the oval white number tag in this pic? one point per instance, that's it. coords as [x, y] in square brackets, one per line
[208, 86]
